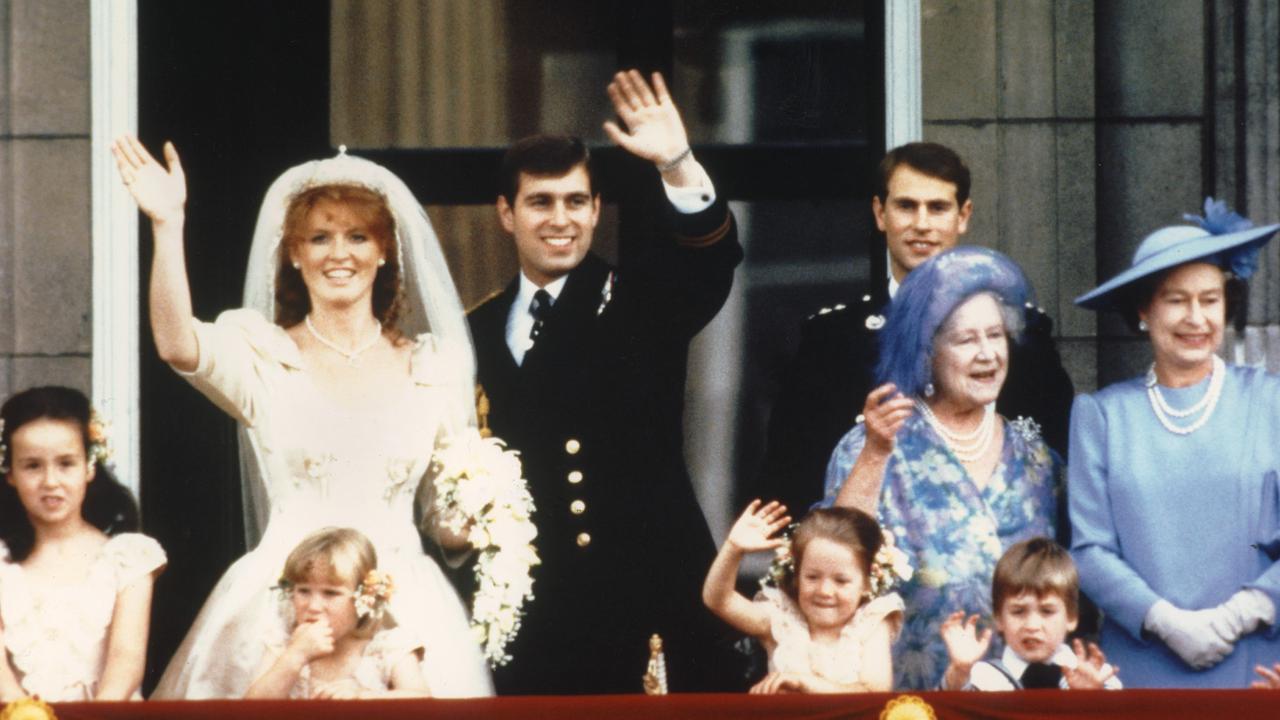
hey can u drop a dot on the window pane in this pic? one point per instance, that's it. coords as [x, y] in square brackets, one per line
[455, 73]
[773, 71]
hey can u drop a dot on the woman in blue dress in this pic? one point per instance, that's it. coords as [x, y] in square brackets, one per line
[955, 483]
[1175, 505]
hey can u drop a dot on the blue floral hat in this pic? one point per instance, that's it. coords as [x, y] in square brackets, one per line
[926, 299]
[1221, 237]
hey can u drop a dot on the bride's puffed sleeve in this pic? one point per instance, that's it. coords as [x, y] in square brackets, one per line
[235, 353]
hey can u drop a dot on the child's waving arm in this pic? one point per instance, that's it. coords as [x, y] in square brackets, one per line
[127, 641]
[753, 532]
[965, 647]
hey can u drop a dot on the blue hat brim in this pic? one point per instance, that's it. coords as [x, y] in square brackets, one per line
[1106, 295]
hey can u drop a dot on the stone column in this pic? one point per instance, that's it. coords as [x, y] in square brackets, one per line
[45, 257]
[1009, 85]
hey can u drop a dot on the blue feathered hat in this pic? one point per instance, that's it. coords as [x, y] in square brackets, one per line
[925, 301]
[1220, 237]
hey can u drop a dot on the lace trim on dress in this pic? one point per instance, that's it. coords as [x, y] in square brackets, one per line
[57, 642]
[795, 650]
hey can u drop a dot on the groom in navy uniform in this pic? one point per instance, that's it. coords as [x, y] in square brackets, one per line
[584, 366]
[922, 206]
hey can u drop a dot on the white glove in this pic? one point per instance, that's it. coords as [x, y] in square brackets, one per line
[1243, 613]
[1189, 633]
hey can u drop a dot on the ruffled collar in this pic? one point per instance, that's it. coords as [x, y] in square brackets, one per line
[1062, 657]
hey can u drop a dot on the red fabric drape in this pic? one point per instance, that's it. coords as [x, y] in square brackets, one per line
[1079, 705]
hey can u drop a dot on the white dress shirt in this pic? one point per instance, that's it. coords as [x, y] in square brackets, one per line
[520, 320]
[985, 676]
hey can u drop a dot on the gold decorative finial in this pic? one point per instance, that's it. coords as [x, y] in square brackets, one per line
[482, 412]
[655, 677]
[28, 708]
[908, 707]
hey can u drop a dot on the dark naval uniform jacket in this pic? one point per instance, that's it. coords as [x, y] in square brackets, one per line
[825, 387]
[596, 412]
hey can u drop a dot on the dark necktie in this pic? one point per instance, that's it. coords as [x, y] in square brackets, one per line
[1041, 676]
[539, 308]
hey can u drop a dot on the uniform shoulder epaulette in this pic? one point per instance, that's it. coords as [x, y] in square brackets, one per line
[837, 308]
[1036, 320]
[484, 300]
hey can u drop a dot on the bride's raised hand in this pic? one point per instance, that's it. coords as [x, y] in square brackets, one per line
[161, 193]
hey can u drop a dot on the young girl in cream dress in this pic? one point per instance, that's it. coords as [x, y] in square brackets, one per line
[341, 642]
[75, 582]
[823, 629]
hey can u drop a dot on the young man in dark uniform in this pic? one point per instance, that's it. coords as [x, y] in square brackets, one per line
[922, 206]
[584, 367]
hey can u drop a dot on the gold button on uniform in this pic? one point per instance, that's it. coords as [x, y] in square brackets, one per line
[577, 507]
[575, 477]
[584, 539]
[572, 446]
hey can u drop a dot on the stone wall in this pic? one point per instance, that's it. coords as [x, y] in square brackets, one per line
[45, 254]
[1009, 85]
[1087, 125]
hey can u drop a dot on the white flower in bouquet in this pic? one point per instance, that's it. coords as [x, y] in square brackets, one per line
[480, 487]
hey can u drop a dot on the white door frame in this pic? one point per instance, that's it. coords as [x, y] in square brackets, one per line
[114, 107]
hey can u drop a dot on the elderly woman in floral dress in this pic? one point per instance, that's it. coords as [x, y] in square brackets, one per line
[953, 481]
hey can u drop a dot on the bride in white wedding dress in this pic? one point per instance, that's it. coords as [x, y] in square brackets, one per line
[340, 411]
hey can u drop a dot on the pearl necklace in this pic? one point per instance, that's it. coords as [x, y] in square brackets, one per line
[1205, 406]
[969, 447]
[349, 355]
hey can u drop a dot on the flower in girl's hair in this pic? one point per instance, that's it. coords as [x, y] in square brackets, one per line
[784, 563]
[373, 594]
[99, 439]
[890, 567]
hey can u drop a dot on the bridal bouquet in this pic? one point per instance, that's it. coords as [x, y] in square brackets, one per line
[481, 491]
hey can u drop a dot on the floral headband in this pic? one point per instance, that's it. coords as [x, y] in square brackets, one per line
[890, 567]
[99, 450]
[373, 594]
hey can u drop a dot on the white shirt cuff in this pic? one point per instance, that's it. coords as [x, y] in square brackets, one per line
[693, 199]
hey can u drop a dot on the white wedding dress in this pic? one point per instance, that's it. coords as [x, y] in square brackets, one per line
[323, 465]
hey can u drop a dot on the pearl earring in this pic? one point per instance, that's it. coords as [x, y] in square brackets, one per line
[929, 390]
[382, 261]
[297, 265]
[1142, 326]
